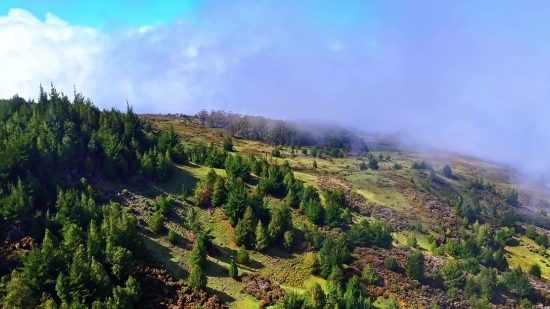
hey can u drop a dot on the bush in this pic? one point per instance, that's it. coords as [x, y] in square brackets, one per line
[447, 171]
[422, 165]
[314, 164]
[535, 270]
[162, 204]
[397, 166]
[390, 263]
[242, 255]
[531, 232]
[171, 236]
[276, 153]
[233, 270]
[304, 151]
[228, 144]
[392, 304]
[370, 277]
[288, 239]
[542, 240]
[415, 265]
[452, 273]
[156, 222]
[411, 240]
[314, 151]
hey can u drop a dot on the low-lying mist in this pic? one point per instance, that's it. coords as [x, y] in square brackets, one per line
[469, 77]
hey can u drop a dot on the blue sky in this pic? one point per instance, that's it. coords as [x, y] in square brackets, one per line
[108, 15]
[465, 75]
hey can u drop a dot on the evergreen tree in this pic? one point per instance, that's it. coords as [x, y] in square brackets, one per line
[535, 270]
[415, 265]
[192, 221]
[316, 298]
[261, 237]
[452, 273]
[197, 279]
[244, 231]
[233, 270]
[237, 201]
[240, 234]
[280, 222]
[228, 144]
[243, 255]
[219, 194]
[197, 257]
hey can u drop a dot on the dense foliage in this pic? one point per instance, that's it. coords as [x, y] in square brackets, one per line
[86, 253]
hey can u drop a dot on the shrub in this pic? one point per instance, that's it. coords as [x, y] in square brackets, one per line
[156, 222]
[228, 144]
[171, 236]
[276, 153]
[314, 164]
[369, 275]
[531, 232]
[162, 204]
[415, 265]
[397, 166]
[243, 256]
[392, 304]
[542, 240]
[304, 151]
[535, 270]
[447, 171]
[233, 270]
[390, 263]
[411, 240]
[422, 165]
[288, 239]
[314, 151]
[452, 273]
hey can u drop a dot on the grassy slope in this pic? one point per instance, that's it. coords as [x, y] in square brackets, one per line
[384, 187]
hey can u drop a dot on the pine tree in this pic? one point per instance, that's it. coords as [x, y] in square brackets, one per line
[197, 279]
[192, 221]
[237, 200]
[415, 265]
[240, 234]
[219, 195]
[233, 270]
[197, 258]
[288, 239]
[280, 222]
[261, 237]
[316, 297]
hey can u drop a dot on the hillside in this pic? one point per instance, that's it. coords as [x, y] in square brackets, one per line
[105, 209]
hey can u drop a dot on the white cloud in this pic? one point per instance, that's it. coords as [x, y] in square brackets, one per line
[481, 92]
[34, 51]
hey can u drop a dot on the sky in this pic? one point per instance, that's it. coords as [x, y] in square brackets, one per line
[467, 76]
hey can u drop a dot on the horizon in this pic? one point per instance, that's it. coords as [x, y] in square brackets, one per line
[466, 77]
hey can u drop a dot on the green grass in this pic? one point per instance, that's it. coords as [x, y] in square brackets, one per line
[521, 256]
[421, 239]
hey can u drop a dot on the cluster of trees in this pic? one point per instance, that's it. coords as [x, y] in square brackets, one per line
[278, 132]
[483, 245]
[342, 293]
[86, 258]
[85, 253]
